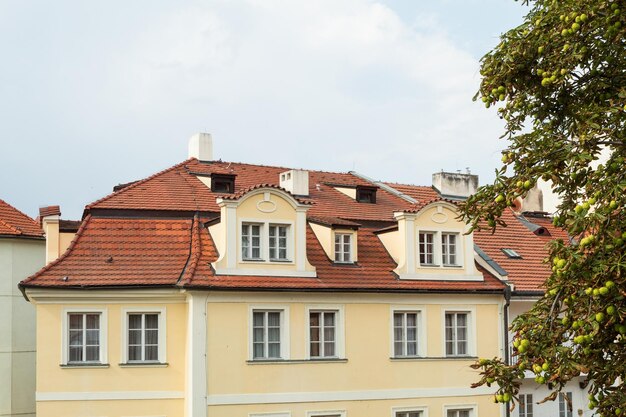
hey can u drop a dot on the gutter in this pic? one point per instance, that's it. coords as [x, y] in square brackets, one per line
[507, 303]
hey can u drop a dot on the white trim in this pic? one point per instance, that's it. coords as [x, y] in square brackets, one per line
[121, 296]
[471, 328]
[480, 261]
[422, 351]
[285, 334]
[441, 277]
[272, 414]
[472, 407]
[361, 395]
[267, 272]
[196, 364]
[103, 331]
[322, 413]
[232, 236]
[421, 408]
[161, 311]
[108, 395]
[340, 337]
[264, 238]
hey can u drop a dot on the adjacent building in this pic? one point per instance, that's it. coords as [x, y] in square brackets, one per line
[22, 247]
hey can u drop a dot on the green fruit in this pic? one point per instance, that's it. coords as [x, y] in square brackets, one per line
[613, 205]
[583, 17]
[545, 366]
[499, 198]
[563, 71]
[499, 398]
[610, 310]
[586, 205]
[561, 263]
[578, 209]
[603, 290]
[545, 82]
[506, 397]
[490, 380]
[599, 317]
[575, 26]
[588, 291]
[564, 32]
[609, 284]
[527, 184]
[592, 201]
[540, 50]
[596, 292]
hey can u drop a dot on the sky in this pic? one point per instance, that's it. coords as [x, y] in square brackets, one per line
[97, 93]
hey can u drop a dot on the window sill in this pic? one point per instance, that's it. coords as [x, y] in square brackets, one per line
[144, 365]
[432, 358]
[84, 365]
[337, 263]
[295, 361]
[281, 261]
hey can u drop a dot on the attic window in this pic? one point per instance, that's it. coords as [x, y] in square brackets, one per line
[366, 194]
[223, 183]
[511, 254]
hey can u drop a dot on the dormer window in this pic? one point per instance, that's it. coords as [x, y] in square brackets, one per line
[429, 242]
[278, 243]
[448, 248]
[266, 241]
[223, 183]
[250, 241]
[366, 194]
[343, 247]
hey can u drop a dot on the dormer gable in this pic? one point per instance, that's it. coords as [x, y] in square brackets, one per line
[262, 231]
[430, 243]
[338, 238]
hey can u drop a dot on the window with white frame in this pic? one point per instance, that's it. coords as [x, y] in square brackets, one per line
[525, 405]
[457, 333]
[408, 414]
[323, 333]
[84, 338]
[439, 249]
[143, 337]
[250, 241]
[278, 242]
[565, 404]
[343, 247]
[267, 334]
[448, 248]
[427, 248]
[465, 412]
[405, 333]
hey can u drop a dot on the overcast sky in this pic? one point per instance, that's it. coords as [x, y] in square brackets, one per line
[93, 94]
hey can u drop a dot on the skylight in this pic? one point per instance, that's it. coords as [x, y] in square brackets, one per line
[511, 253]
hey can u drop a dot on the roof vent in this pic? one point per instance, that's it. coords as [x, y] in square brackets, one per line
[296, 181]
[511, 253]
[201, 147]
[455, 185]
[365, 194]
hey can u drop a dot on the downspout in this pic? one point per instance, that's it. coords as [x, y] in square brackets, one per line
[507, 303]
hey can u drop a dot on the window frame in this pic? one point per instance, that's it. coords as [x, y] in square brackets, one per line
[102, 336]
[472, 408]
[339, 413]
[438, 253]
[264, 241]
[471, 330]
[284, 331]
[418, 409]
[162, 323]
[351, 237]
[523, 411]
[340, 352]
[277, 242]
[568, 412]
[421, 330]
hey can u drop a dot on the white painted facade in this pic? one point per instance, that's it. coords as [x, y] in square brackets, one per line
[19, 258]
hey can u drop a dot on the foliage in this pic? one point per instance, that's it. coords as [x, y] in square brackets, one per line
[559, 81]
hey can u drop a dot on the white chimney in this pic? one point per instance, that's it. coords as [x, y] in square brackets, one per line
[455, 185]
[296, 181]
[201, 147]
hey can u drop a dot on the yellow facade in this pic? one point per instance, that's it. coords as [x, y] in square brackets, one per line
[365, 380]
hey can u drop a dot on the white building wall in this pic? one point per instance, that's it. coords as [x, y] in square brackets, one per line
[19, 258]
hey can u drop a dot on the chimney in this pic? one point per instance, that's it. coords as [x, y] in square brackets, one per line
[533, 200]
[296, 181]
[455, 185]
[49, 217]
[201, 147]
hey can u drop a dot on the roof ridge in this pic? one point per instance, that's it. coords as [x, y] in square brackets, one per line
[65, 254]
[139, 182]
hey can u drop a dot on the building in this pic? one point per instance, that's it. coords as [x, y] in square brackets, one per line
[227, 289]
[22, 246]
[517, 253]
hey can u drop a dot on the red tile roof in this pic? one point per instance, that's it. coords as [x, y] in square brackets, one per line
[529, 272]
[151, 250]
[15, 223]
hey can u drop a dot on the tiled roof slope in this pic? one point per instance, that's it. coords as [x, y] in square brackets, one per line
[15, 223]
[178, 189]
[529, 272]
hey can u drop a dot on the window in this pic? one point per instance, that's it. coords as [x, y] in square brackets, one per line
[405, 327]
[525, 405]
[448, 248]
[565, 404]
[278, 243]
[326, 414]
[323, 334]
[439, 249]
[343, 247]
[427, 246]
[266, 334]
[511, 253]
[408, 414]
[456, 333]
[143, 337]
[459, 413]
[222, 183]
[366, 194]
[84, 338]
[250, 241]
